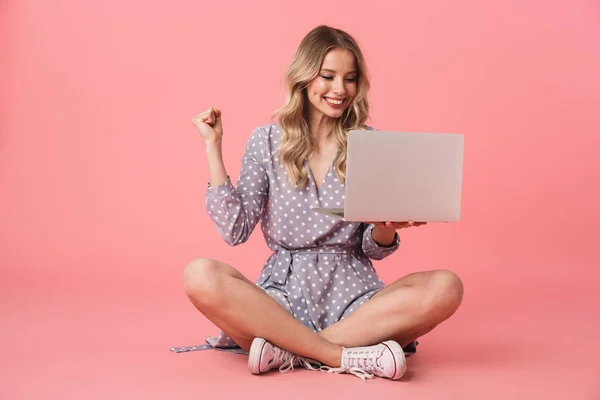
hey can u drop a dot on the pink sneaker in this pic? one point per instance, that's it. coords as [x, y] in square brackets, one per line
[385, 360]
[264, 356]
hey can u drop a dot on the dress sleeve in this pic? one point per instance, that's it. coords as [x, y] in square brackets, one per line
[374, 250]
[236, 210]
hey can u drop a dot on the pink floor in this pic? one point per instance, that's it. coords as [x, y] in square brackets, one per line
[86, 337]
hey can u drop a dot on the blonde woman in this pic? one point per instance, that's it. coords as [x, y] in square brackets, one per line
[318, 302]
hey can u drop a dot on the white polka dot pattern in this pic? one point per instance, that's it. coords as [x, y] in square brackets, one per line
[320, 270]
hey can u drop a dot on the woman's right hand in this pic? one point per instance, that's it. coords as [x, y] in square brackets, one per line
[209, 125]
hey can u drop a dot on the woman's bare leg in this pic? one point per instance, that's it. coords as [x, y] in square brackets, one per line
[403, 311]
[244, 311]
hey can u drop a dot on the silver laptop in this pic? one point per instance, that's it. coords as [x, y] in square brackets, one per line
[400, 176]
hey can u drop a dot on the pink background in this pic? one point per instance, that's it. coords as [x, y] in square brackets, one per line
[102, 183]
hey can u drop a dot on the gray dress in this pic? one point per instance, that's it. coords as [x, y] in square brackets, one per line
[320, 269]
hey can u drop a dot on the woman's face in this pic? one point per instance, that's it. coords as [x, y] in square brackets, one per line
[332, 91]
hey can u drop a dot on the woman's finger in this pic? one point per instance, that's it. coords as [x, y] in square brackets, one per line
[207, 115]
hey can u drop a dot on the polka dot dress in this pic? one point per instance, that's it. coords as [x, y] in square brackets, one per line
[320, 270]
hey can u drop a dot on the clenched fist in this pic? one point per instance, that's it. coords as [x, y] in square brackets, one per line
[209, 125]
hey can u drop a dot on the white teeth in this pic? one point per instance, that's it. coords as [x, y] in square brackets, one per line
[336, 102]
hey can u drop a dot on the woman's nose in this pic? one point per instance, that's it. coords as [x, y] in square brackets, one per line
[339, 87]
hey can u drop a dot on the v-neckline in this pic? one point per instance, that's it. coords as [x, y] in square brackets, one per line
[314, 180]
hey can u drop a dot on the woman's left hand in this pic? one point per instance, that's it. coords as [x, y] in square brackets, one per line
[384, 232]
[393, 226]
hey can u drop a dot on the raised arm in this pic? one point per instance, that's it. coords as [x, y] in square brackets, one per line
[234, 210]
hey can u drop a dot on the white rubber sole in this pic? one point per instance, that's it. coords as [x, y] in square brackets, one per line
[399, 358]
[254, 355]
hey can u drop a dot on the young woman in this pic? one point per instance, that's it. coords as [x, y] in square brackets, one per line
[319, 302]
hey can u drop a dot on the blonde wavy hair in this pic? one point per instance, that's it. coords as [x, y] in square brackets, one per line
[298, 143]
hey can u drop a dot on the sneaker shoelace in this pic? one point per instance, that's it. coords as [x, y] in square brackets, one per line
[288, 361]
[282, 358]
[361, 363]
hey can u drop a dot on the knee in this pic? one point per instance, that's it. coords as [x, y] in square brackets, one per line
[445, 294]
[202, 281]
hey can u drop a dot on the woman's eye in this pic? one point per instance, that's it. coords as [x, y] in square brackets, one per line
[330, 78]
